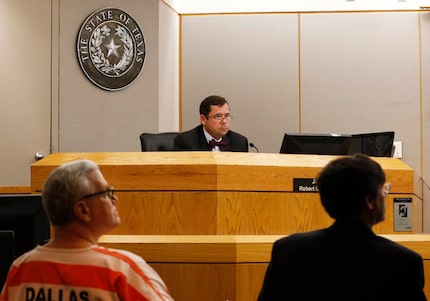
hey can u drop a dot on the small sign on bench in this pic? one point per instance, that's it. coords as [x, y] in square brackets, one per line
[305, 185]
[402, 214]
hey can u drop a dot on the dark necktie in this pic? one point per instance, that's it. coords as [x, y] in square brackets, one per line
[221, 144]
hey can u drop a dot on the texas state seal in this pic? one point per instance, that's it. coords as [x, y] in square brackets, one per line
[111, 49]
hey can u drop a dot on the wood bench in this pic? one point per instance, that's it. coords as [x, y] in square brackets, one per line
[223, 267]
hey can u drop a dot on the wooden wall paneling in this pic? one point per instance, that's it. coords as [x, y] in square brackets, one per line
[166, 213]
[249, 279]
[200, 281]
[417, 218]
[209, 193]
[14, 189]
[262, 213]
[213, 282]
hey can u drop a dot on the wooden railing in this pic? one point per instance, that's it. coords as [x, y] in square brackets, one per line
[223, 267]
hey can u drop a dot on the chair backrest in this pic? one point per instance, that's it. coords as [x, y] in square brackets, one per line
[378, 144]
[157, 142]
[6, 253]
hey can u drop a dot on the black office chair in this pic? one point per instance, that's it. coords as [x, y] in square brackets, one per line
[378, 144]
[7, 252]
[157, 142]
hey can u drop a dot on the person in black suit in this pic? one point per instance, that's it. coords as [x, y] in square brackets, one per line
[345, 261]
[214, 131]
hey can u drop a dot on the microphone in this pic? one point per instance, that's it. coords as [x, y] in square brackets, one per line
[253, 146]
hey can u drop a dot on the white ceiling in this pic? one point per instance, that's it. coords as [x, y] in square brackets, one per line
[249, 6]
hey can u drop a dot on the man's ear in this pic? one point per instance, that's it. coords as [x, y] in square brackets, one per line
[369, 203]
[82, 211]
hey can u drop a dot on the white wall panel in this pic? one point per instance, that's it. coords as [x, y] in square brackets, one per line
[425, 147]
[360, 72]
[252, 61]
[25, 87]
[168, 52]
[92, 119]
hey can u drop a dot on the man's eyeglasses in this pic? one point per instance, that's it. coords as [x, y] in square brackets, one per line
[109, 192]
[219, 117]
[386, 188]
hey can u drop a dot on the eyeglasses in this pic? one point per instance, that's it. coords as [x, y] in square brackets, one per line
[109, 192]
[386, 189]
[219, 117]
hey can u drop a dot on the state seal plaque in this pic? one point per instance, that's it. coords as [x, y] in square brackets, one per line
[111, 49]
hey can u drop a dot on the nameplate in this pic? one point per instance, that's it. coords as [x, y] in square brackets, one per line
[305, 185]
[402, 214]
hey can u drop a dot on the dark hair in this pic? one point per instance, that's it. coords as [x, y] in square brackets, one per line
[213, 100]
[345, 183]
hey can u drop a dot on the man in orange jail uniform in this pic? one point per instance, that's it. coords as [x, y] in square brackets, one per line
[81, 206]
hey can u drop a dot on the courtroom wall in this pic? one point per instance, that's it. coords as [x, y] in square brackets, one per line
[309, 72]
[252, 60]
[328, 72]
[425, 116]
[314, 73]
[25, 86]
[90, 118]
[49, 105]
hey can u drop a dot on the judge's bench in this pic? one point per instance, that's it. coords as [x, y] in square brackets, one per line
[206, 221]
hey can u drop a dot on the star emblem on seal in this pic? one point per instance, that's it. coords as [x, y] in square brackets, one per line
[111, 49]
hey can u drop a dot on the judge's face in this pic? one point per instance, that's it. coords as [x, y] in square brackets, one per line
[217, 122]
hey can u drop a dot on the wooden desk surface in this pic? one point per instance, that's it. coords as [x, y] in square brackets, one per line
[210, 171]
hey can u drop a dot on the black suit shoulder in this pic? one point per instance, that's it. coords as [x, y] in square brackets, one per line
[338, 262]
[348, 240]
[195, 140]
[238, 142]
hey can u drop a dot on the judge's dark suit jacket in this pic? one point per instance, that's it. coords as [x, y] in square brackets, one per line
[195, 140]
[344, 262]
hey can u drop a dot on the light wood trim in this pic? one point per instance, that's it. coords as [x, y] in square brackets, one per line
[225, 248]
[176, 248]
[223, 171]
[420, 243]
[15, 189]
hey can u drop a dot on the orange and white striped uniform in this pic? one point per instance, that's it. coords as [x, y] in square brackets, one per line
[91, 274]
